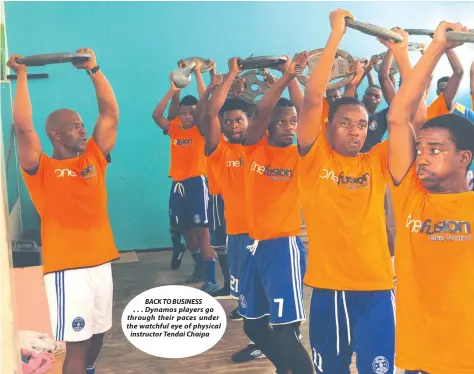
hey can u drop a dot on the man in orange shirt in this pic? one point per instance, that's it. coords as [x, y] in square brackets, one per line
[217, 223]
[434, 211]
[176, 233]
[447, 88]
[189, 195]
[271, 288]
[224, 123]
[333, 95]
[69, 192]
[461, 109]
[343, 195]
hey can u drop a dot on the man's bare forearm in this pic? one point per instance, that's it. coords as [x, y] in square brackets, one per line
[198, 114]
[158, 112]
[316, 87]
[387, 81]
[220, 94]
[296, 94]
[106, 100]
[411, 92]
[22, 109]
[173, 111]
[201, 87]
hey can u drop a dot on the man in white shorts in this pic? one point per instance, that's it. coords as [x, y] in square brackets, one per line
[68, 190]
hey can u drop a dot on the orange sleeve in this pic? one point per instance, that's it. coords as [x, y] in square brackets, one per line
[173, 124]
[310, 162]
[407, 190]
[472, 100]
[437, 108]
[216, 155]
[93, 150]
[379, 153]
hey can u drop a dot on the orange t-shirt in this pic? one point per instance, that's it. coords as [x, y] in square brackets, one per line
[187, 152]
[437, 108]
[273, 203]
[211, 181]
[343, 204]
[472, 100]
[227, 164]
[434, 262]
[71, 199]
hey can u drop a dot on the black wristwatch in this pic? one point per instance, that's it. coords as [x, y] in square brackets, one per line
[93, 70]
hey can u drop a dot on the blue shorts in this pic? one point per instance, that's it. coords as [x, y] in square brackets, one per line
[237, 253]
[188, 203]
[343, 322]
[271, 282]
[217, 229]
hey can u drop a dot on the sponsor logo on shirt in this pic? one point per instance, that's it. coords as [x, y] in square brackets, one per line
[88, 172]
[351, 183]
[62, 173]
[271, 172]
[235, 163]
[448, 230]
[182, 142]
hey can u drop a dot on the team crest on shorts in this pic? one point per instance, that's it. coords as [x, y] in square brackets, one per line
[197, 218]
[242, 301]
[78, 324]
[373, 125]
[380, 365]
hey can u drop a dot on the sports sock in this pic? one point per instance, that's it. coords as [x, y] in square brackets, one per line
[198, 258]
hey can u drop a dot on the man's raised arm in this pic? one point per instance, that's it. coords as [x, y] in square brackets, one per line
[386, 83]
[211, 114]
[294, 88]
[105, 129]
[201, 86]
[199, 112]
[351, 88]
[454, 81]
[173, 110]
[406, 104]
[158, 112]
[309, 123]
[29, 146]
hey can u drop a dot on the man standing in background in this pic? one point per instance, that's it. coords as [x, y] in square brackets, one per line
[189, 194]
[447, 88]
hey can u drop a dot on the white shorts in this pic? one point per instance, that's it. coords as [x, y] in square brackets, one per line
[80, 302]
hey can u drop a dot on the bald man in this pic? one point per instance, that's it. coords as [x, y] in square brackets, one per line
[68, 190]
